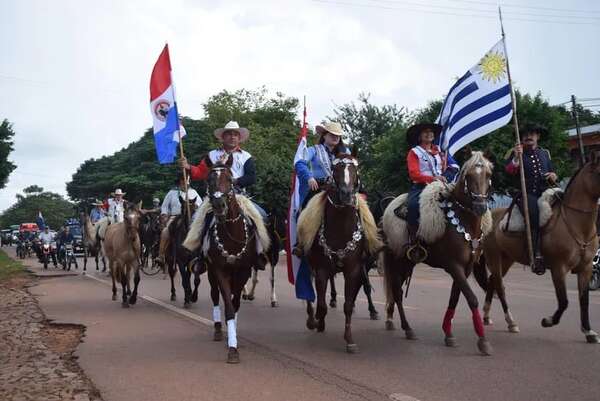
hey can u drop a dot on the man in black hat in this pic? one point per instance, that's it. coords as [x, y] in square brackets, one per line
[425, 165]
[539, 175]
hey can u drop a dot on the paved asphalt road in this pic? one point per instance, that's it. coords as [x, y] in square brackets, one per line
[157, 351]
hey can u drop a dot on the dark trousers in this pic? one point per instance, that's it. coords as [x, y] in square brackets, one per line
[534, 218]
[413, 204]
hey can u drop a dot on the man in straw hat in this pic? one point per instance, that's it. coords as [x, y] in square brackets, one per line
[243, 168]
[314, 170]
[425, 165]
[539, 175]
[116, 207]
[97, 212]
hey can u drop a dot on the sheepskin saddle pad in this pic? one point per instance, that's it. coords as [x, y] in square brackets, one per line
[311, 218]
[513, 220]
[432, 223]
[197, 234]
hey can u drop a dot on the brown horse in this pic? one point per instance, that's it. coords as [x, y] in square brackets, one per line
[232, 249]
[122, 248]
[568, 244]
[341, 244]
[455, 250]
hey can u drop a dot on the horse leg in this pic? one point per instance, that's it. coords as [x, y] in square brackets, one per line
[172, 273]
[583, 281]
[398, 297]
[449, 338]
[250, 295]
[367, 288]
[112, 275]
[558, 278]
[225, 288]
[274, 302]
[194, 297]
[124, 285]
[352, 283]
[136, 282]
[333, 301]
[389, 282]
[321, 278]
[489, 297]
[185, 283]
[460, 278]
[311, 323]
[513, 327]
[85, 260]
[214, 295]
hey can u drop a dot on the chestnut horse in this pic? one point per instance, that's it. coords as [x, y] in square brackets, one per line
[455, 251]
[568, 244]
[340, 246]
[122, 247]
[232, 252]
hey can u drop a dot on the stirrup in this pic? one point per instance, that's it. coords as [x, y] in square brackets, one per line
[416, 252]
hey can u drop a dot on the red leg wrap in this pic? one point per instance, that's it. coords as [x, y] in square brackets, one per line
[447, 324]
[477, 323]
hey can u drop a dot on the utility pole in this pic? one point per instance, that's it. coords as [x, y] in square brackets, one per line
[577, 128]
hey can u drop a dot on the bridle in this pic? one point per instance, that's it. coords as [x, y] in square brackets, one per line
[477, 197]
[334, 185]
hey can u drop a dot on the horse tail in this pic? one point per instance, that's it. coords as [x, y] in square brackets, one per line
[480, 273]
[383, 266]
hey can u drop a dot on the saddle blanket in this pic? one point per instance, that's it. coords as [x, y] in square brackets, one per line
[517, 222]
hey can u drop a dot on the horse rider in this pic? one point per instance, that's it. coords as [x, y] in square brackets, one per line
[539, 175]
[97, 212]
[171, 207]
[46, 237]
[116, 207]
[425, 165]
[243, 168]
[156, 204]
[314, 169]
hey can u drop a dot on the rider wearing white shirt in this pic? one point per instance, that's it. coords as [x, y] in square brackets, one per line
[46, 236]
[116, 207]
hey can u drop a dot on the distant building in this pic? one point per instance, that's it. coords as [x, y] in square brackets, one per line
[590, 136]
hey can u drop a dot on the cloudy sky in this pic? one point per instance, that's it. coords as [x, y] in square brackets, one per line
[74, 74]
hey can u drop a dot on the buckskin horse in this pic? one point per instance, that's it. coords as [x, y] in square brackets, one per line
[91, 242]
[178, 229]
[122, 248]
[460, 217]
[229, 247]
[568, 244]
[342, 243]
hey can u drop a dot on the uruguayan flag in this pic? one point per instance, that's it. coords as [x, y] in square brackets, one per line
[478, 103]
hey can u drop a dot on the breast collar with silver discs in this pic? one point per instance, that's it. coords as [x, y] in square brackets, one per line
[452, 217]
[338, 255]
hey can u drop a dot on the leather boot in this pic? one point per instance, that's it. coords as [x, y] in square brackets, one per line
[415, 252]
[538, 261]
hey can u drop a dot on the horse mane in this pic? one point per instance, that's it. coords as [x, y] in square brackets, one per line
[575, 176]
[477, 157]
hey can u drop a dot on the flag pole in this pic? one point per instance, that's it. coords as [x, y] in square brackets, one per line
[525, 205]
[181, 154]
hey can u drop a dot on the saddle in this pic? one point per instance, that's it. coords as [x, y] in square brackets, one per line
[513, 220]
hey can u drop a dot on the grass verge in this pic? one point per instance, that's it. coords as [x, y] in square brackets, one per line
[8, 267]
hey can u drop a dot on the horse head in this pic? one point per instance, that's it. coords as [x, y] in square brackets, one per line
[474, 183]
[220, 187]
[132, 217]
[192, 206]
[591, 174]
[345, 182]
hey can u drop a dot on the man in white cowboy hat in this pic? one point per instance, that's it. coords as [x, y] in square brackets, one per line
[243, 168]
[171, 207]
[116, 207]
[97, 212]
[314, 170]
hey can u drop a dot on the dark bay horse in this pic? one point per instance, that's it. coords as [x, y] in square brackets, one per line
[232, 252]
[178, 229]
[455, 252]
[340, 246]
[568, 244]
[149, 237]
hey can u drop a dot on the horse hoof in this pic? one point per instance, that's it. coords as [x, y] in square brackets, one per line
[592, 339]
[351, 348]
[389, 325]
[547, 322]
[487, 321]
[450, 341]
[187, 305]
[125, 304]
[310, 324]
[484, 347]
[218, 335]
[410, 334]
[194, 299]
[513, 328]
[173, 297]
[321, 326]
[132, 300]
[274, 304]
[250, 297]
[374, 315]
[233, 356]
[114, 297]
[333, 303]
[244, 297]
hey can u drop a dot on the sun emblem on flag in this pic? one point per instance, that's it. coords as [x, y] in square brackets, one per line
[161, 109]
[493, 67]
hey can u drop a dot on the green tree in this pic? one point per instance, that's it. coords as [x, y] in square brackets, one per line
[6, 147]
[33, 189]
[53, 206]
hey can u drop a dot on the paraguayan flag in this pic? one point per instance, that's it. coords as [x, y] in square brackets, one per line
[478, 103]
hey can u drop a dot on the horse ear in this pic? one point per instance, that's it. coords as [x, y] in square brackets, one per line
[489, 154]
[139, 205]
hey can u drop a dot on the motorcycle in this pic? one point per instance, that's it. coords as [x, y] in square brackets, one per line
[49, 251]
[595, 280]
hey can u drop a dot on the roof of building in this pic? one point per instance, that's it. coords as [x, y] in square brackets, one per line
[589, 129]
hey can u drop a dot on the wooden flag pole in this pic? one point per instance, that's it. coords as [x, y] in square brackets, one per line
[525, 205]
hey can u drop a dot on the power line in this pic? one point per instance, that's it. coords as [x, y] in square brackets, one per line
[428, 11]
[513, 5]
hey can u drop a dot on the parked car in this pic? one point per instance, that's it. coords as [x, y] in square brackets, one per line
[75, 229]
[6, 237]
